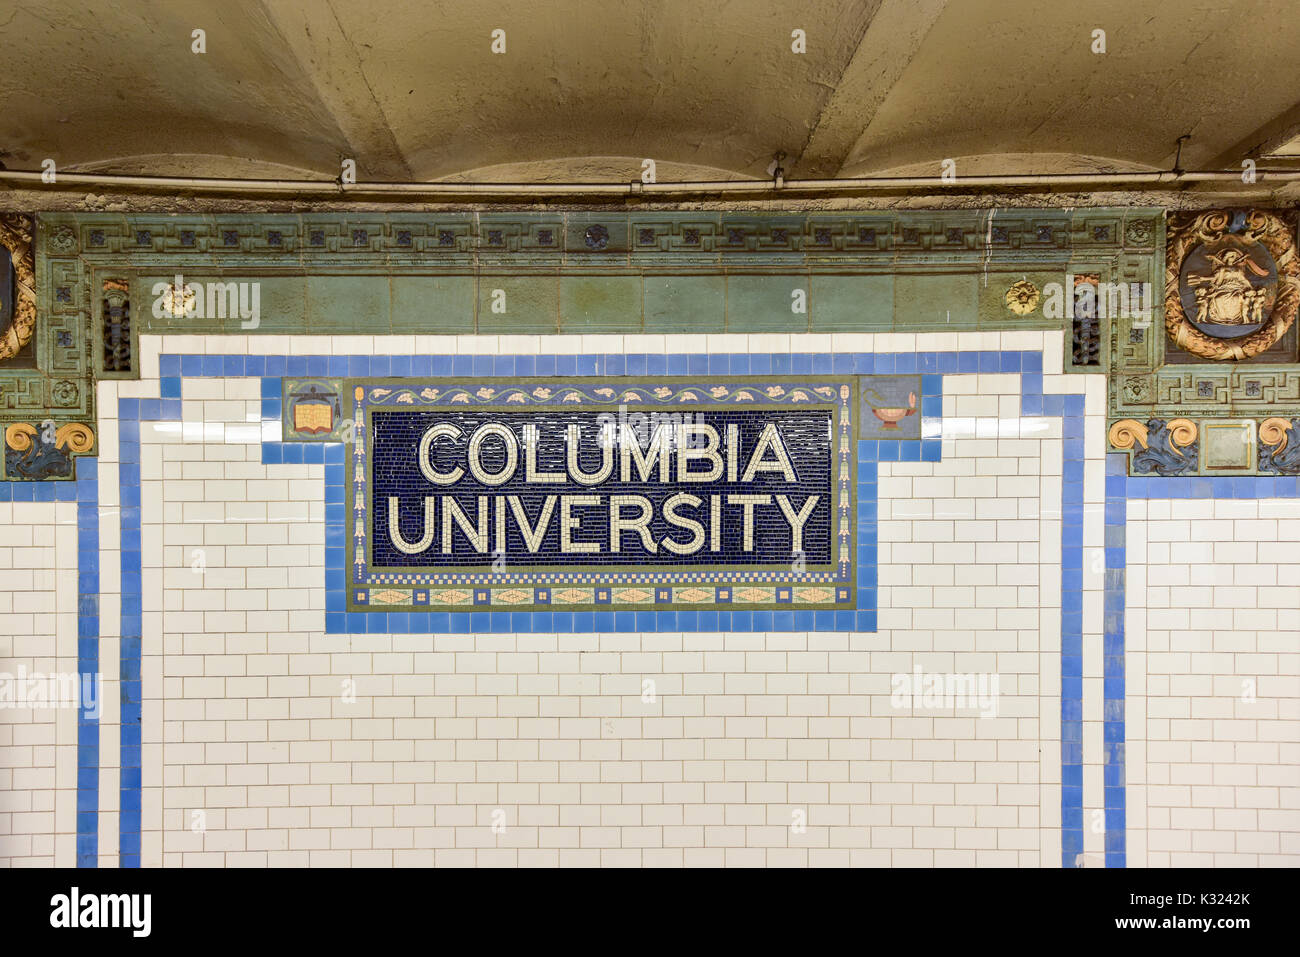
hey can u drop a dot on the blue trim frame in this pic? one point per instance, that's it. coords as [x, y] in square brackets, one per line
[87, 658]
[1113, 730]
[271, 369]
[132, 636]
[1071, 410]
[338, 620]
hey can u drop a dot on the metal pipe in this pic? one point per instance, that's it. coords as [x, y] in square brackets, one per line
[1130, 179]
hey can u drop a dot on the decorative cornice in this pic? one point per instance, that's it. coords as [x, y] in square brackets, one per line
[602, 237]
[1167, 365]
[1279, 452]
[1162, 448]
[44, 451]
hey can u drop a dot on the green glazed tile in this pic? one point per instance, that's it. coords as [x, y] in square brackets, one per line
[685, 303]
[281, 306]
[763, 303]
[143, 303]
[597, 233]
[600, 304]
[852, 303]
[531, 305]
[1229, 445]
[932, 301]
[433, 305]
[284, 306]
[347, 305]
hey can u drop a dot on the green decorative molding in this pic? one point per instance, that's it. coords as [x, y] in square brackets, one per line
[47, 388]
[1227, 401]
[99, 275]
[404, 273]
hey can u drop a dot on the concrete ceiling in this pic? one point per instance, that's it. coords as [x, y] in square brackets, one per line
[589, 88]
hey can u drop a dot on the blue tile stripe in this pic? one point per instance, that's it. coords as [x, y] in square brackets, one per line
[1237, 486]
[130, 414]
[1072, 515]
[173, 367]
[44, 491]
[1113, 732]
[87, 479]
[1070, 409]
[84, 490]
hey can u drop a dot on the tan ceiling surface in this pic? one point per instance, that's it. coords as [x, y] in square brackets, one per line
[588, 88]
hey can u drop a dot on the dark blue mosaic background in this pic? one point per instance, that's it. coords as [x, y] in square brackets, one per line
[393, 449]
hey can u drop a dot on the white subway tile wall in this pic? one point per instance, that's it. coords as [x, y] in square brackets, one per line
[1213, 651]
[38, 639]
[267, 741]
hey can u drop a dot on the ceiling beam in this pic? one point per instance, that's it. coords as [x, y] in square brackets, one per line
[887, 46]
[330, 61]
[1260, 141]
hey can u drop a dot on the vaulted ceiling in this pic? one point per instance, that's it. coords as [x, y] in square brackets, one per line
[587, 89]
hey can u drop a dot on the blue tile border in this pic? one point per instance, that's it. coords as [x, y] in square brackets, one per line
[1070, 408]
[87, 659]
[130, 414]
[928, 448]
[1028, 364]
[1113, 711]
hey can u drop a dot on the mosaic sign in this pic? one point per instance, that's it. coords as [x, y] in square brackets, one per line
[593, 493]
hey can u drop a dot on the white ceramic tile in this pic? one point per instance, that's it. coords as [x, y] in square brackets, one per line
[245, 718]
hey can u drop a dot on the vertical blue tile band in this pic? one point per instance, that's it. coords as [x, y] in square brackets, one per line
[130, 414]
[1115, 586]
[1070, 408]
[87, 479]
